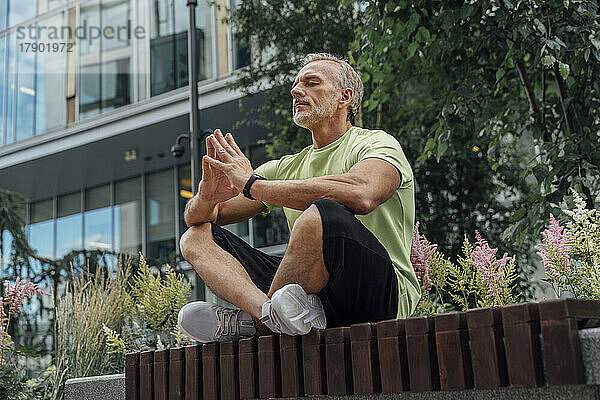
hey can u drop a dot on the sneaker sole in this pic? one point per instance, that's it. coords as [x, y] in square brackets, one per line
[305, 307]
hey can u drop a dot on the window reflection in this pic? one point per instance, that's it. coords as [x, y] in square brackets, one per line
[41, 231]
[25, 93]
[104, 80]
[97, 219]
[2, 86]
[19, 11]
[185, 193]
[168, 44]
[240, 49]
[51, 67]
[128, 216]
[160, 214]
[271, 229]
[68, 224]
[3, 14]
[10, 88]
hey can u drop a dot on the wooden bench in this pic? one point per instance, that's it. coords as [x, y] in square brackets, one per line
[522, 345]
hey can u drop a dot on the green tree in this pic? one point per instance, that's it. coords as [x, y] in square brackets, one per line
[475, 178]
[517, 80]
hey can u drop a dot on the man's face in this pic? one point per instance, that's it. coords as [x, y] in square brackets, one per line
[316, 96]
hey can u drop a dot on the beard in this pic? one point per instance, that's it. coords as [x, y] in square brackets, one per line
[315, 113]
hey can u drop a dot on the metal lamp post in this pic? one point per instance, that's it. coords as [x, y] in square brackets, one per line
[193, 83]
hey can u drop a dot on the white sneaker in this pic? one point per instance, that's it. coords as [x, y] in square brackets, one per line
[208, 322]
[293, 312]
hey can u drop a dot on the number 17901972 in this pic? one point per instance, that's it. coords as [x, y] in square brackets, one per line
[55, 47]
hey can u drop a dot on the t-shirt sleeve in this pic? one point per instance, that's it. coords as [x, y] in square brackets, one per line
[268, 170]
[384, 146]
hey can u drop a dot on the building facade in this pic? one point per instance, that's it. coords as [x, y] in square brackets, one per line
[93, 93]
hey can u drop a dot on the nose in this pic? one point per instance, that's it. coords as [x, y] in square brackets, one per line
[297, 92]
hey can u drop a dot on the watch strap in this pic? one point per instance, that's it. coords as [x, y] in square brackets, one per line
[253, 178]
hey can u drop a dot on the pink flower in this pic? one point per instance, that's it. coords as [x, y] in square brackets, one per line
[484, 259]
[555, 249]
[15, 294]
[419, 256]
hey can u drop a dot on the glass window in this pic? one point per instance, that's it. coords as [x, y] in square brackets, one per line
[271, 229]
[97, 219]
[41, 231]
[240, 50]
[3, 14]
[45, 5]
[185, 193]
[25, 92]
[128, 216]
[104, 79]
[19, 11]
[10, 88]
[168, 44]
[6, 251]
[69, 233]
[160, 213]
[104, 87]
[51, 70]
[2, 78]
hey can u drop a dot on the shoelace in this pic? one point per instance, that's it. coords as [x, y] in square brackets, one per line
[227, 322]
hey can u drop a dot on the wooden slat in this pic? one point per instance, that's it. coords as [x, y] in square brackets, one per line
[210, 371]
[248, 368]
[422, 355]
[193, 372]
[393, 361]
[146, 375]
[292, 384]
[177, 373]
[487, 347]
[453, 352]
[132, 376]
[562, 348]
[313, 363]
[365, 360]
[228, 367]
[521, 326]
[338, 361]
[161, 374]
[269, 369]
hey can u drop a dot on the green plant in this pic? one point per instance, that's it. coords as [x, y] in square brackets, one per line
[477, 279]
[91, 301]
[151, 322]
[571, 254]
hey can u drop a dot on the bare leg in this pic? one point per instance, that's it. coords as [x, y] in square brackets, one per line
[221, 272]
[303, 260]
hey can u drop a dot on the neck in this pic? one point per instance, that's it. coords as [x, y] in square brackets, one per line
[329, 131]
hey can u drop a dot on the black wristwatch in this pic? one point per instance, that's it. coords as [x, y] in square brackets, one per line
[248, 185]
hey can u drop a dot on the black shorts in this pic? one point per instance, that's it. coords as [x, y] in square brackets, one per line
[362, 283]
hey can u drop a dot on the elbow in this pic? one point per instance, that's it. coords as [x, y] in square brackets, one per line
[364, 205]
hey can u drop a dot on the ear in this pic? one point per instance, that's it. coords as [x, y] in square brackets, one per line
[346, 99]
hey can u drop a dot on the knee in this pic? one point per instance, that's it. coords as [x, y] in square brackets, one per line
[309, 218]
[192, 239]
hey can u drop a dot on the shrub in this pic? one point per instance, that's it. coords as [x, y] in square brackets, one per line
[571, 254]
[478, 279]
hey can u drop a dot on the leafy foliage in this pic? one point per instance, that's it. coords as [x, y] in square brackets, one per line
[151, 322]
[515, 81]
[571, 255]
[477, 279]
[279, 34]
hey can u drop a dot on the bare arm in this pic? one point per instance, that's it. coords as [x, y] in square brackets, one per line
[366, 185]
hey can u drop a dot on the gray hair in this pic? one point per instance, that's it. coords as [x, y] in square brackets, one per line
[348, 78]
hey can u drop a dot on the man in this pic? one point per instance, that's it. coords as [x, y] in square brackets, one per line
[349, 202]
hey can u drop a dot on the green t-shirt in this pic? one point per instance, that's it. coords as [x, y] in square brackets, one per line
[391, 222]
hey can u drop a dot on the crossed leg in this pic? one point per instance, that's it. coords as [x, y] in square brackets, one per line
[226, 277]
